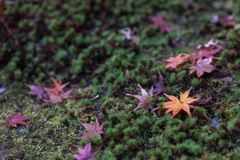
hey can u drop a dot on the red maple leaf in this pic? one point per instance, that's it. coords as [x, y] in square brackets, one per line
[58, 86]
[143, 98]
[92, 130]
[206, 51]
[160, 22]
[86, 153]
[202, 66]
[173, 62]
[17, 119]
[159, 85]
[38, 91]
[54, 98]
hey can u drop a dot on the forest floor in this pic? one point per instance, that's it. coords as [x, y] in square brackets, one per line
[81, 42]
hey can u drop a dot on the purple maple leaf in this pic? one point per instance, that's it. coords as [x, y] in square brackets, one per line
[143, 98]
[92, 130]
[86, 153]
[159, 85]
[17, 119]
[37, 90]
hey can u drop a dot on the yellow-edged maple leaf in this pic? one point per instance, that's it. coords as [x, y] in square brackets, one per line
[173, 62]
[176, 105]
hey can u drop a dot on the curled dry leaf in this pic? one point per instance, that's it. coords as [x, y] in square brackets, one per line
[202, 66]
[159, 85]
[176, 105]
[143, 98]
[17, 119]
[127, 35]
[227, 79]
[86, 153]
[92, 130]
[228, 21]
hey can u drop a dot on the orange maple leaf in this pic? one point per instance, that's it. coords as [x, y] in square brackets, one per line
[175, 61]
[58, 86]
[175, 105]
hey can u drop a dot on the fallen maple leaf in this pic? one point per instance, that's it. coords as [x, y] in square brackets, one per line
[173, 62]
[58, 86]
[127, 35]
[17, 119]
[159, 85]
[175, 105]
[38, 91]
[206, 51]
[160, 22]
[92, 130]
[143, 98]
[228, 21]
[86, 153]
[202, 66]
[53, 98]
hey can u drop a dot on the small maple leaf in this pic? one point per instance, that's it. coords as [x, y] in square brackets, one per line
[143, 98]
[202, 66]
[58, 86]
[176, 105]
[127, 35]
[92, 130]
[159, 85]
[86, 153]
[17, 119]
[38, 91]
[173, 62]
[53, 98]
[160, 22]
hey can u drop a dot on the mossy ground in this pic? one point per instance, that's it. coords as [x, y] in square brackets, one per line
[80, 42]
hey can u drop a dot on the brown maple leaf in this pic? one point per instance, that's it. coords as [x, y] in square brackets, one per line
[160, 22]
[17, 119]
[38, 91]
[54, 98]
[176, 105]
[86, 153]
[143, 98]
[58, 87]
[92, 130]
[202, 66]
[173, 62]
